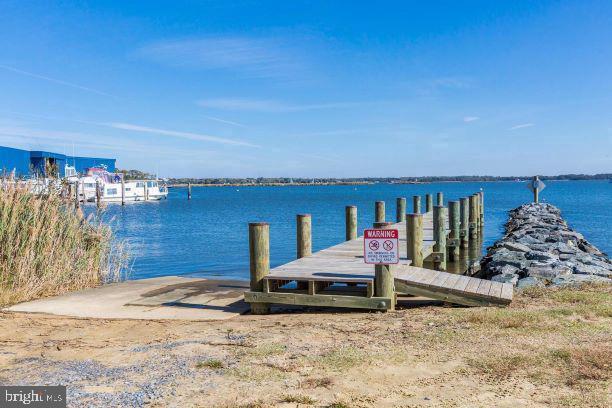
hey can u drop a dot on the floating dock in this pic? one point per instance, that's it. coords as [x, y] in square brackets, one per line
[339, 277]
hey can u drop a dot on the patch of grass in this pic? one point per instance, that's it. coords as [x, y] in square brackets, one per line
[501, 366]
[268, 349]
[298, 399]
[342, 358]
[324, 382]
[256, 373]
[502, 318]
[338, 404]
[210, 363]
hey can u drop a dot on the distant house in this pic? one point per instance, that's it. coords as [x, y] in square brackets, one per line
[24, 163]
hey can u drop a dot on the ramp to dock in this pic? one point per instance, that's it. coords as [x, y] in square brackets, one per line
[337, 276]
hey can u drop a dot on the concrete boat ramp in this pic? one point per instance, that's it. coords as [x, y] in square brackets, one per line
[170, 297]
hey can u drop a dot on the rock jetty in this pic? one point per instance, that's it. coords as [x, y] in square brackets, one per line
[539, 249]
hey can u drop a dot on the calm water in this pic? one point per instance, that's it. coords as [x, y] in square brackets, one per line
[208, 236]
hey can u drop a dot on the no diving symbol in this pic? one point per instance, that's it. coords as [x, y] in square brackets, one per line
[388, 245]
[373, 245]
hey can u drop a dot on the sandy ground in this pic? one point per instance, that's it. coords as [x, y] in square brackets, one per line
[550, 348]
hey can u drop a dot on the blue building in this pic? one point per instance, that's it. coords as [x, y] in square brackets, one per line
[24, 162]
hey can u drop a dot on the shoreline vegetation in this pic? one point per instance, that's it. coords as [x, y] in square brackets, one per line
[288, 181]
[301, 181]
[47, 248]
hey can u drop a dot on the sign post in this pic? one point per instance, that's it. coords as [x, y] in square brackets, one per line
[381, 248]
[536, 185]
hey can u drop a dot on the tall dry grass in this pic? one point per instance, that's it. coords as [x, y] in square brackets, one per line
[47, 248]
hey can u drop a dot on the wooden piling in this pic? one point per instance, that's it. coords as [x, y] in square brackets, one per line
[439, 235]
[304, 235]
[77, 202]
[416, 204]
[440, 198]
[259, 253]
[481, 209]
[123, 189]
[146, 191]
[428, 203]
[465, 222]
[384, 282]
[98, 195]
[351, 222]
[379, 211]
[473, 226]
[189, 191]
[400, 209]
[536, 191]
[454, 218]
[414, 238]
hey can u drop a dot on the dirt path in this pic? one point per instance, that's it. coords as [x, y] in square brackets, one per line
[548, 349]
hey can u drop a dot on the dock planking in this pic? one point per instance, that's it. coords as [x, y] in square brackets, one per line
[343, 264]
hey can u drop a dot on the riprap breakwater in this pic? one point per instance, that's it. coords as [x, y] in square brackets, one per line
[540, 249]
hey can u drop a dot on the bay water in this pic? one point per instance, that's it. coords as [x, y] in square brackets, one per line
[207, 236]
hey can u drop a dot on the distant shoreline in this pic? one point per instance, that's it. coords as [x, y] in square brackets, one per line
[365, 183]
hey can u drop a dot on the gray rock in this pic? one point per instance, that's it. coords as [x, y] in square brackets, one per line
[515, 246]
[506, 278]
[540, 256]
[529, 282]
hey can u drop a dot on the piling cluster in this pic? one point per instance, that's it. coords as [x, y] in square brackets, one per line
[540, 249]
[456, 228]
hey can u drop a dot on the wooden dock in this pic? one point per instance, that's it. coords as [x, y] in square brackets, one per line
[337, 276]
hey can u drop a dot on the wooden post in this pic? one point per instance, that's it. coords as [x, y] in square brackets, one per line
[351, 222]
[384, 282]
[259, 253]
[473, 226]
[439, 235]
[465, 222]
[416, 204]
[428, 203]
[379, 210]
[440, 198]
[454, 218]
[536, 192]
[400, 210]
[123, 189]
[98, 195]
[77, 203]
[146, 191]
[189, 191]
[304, 235]
[477, 198]
[414, 238]
[481, 209]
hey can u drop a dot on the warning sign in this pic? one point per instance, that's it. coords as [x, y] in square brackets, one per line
[381, 246]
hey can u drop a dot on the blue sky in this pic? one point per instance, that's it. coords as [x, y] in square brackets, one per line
[313, 89]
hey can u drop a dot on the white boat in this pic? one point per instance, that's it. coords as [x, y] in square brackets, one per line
[111, 188]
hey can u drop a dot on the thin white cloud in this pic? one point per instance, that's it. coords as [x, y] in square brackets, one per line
[229, 122]
[522, 125]
[265, 105]
[468, 119]
[251, 57]
[57, 81]
[178, 134]
[29, 138]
